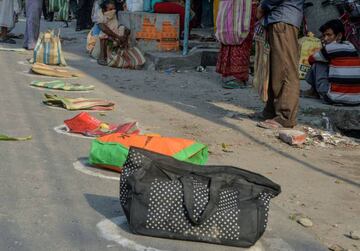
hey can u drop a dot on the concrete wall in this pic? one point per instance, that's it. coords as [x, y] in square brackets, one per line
[318, 15]
[134, 21]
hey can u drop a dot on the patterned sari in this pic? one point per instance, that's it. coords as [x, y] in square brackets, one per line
[234, 60]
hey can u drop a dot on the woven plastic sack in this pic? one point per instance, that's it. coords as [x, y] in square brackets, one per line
[262, 63]
[48, 49]
[53, 71]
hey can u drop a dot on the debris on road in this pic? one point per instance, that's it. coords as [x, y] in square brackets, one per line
[323, 138]
[9, 138]
[355, 235]
[305, 222]
[200, 68]
[292, 137]
[336, 247]
[225, 148]
[326, 123]
[170, 70]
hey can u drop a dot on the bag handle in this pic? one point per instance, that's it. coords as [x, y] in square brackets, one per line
[214, 185]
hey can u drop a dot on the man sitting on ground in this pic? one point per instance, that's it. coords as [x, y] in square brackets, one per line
[335, 70]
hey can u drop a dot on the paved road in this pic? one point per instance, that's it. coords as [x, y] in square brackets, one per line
[45, 204]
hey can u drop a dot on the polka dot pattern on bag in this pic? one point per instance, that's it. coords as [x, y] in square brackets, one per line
[167, 213]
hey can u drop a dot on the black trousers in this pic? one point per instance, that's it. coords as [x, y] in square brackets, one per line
[84, 14]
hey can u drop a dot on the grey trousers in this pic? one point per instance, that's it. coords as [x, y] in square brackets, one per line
[317, 77]
[33, 16]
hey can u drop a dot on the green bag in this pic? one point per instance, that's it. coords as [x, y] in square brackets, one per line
[110, 151]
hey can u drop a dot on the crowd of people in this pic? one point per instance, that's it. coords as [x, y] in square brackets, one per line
[108, 42]
[33, 10]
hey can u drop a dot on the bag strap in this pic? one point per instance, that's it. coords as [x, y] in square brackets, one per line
[215, 187]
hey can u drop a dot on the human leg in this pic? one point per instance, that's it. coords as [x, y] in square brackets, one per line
[33, 10]
[284, 81]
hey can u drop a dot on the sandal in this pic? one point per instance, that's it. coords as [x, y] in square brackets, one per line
[269, 124]
[260, 116]
[231, 85]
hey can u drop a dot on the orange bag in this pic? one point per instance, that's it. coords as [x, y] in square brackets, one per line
[111, 151]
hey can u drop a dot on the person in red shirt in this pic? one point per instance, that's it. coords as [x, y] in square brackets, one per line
[173, 7]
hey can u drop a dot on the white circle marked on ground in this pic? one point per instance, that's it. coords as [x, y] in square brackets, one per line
[12, 49]
[109, 229]
[63, 129]
[81, 167]
[23, 63]
[30, 74]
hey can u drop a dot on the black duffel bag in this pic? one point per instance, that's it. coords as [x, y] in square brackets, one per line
[164, 197]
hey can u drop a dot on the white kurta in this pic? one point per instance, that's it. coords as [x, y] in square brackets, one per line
[8, 9]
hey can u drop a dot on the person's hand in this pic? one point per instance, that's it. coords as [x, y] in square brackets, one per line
[260, 13]
[122, 41]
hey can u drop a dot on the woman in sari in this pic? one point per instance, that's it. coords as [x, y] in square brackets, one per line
[234, 59]
[108, 42]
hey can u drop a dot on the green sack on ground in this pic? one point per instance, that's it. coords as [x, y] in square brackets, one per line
[61, 85]
[111, 151]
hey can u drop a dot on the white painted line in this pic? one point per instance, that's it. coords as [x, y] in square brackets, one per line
[81, 167]
[63, 129]
[109, 229]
